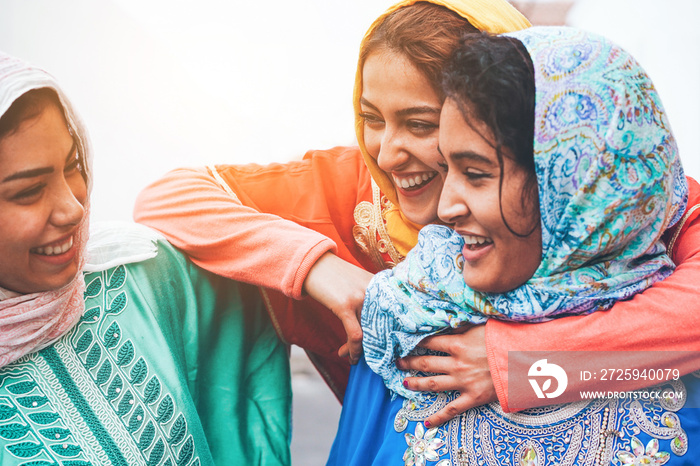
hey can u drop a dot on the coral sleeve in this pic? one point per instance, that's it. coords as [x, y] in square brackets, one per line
[665, 319]
[263, 225]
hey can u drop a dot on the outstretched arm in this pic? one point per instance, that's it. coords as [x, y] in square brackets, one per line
[271, 226]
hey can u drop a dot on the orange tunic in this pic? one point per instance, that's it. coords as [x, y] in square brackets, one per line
[267, 225]
[221, 218]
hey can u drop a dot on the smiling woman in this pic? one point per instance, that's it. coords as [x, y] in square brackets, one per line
[116, 350]
[43, 195]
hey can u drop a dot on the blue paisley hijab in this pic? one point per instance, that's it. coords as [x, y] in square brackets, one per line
[610, 182]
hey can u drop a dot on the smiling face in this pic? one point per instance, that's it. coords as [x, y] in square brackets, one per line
[401, 114]
[42, 201]
[495, 258]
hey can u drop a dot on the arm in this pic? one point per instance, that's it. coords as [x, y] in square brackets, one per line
[270, 225]
[222, 235]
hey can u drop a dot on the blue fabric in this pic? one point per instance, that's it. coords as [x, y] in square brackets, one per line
[610, 183]
[367, 434]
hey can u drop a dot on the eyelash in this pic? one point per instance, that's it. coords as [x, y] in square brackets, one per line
[31, 192]
[414, 126]
[422, 126]
[476, 175]
[370, 119]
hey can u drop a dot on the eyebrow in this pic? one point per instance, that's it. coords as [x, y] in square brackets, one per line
[407, 111]
[469, 155]
[31, 173]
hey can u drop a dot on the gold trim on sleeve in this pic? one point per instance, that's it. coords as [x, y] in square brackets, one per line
[370, 230]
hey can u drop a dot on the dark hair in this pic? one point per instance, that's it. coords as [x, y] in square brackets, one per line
[492, 79]
[30, 105]
[425, 33]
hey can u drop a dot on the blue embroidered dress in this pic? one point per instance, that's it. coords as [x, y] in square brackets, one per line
[609, 184]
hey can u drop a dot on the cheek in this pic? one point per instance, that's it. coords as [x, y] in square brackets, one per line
[19, 234]
[373, 142]
[426, 151]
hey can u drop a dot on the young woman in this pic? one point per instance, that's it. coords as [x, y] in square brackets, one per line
[310, 232]
[568, 231]
[116, 350]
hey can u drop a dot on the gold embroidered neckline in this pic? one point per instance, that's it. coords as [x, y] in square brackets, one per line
[370, 231]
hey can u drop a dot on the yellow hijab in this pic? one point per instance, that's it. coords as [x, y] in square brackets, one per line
[494, 16]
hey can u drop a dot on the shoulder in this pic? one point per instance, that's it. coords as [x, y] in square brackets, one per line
[137, 257]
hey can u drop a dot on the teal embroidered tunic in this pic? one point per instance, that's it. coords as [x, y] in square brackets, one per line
[170, 365]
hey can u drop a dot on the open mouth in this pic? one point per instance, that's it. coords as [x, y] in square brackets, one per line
[414, 182]
[54, 250]
[474, 243]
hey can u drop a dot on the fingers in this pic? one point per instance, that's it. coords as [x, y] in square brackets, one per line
[436, 383]
[460, 340]
[353, 348]
[433, 364]
[453, 409]
[442, 343]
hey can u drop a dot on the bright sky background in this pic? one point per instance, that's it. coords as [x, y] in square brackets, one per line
[163, 84]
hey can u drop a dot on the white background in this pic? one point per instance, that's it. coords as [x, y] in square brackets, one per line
[163, 84]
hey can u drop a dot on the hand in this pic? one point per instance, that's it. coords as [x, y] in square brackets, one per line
[340, 286]
[464, 369]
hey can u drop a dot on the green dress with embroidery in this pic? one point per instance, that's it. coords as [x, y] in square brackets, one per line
[169, 365]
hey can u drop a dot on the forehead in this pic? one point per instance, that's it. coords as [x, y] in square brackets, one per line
[386, 74]
[38, 139]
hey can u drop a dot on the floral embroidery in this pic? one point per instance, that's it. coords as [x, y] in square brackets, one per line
[595, 432]
[640, 455]
[422, 447]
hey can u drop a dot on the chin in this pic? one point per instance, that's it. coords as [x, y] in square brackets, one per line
[421, 217]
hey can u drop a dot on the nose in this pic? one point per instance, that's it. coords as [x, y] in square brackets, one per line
[392, 151]
[452, 205]
[69, 204]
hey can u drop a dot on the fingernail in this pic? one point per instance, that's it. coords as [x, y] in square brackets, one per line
[405, 383]
[427, 423]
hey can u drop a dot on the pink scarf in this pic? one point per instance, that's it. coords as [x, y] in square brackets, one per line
[30, 322]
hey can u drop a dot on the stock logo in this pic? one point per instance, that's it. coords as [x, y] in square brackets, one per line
[542, 370]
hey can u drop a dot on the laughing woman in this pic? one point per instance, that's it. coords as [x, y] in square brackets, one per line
[115, 350]
[563, 220]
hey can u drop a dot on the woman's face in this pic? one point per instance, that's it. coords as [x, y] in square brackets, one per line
[42, 201]
[495, 259]
[401, 112]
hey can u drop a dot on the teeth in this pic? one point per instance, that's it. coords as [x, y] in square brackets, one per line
[472, 240]
[54, 250]
[413, 181]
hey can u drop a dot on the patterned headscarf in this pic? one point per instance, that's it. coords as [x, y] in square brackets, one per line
[610, 182]
[29, 322]
[494, 16]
